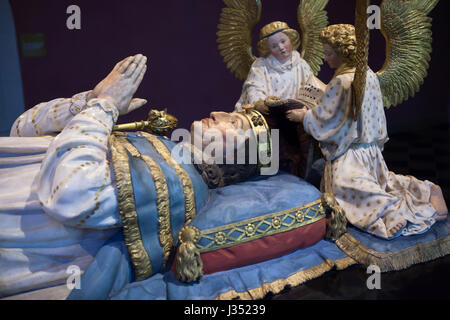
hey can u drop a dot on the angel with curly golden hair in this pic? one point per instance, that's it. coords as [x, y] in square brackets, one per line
[352, 134]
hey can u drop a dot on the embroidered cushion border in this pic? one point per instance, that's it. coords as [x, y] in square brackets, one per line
[259, 227]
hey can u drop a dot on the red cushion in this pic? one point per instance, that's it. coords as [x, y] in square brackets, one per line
[263, 249]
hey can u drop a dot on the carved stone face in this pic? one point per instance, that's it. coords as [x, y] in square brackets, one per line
[280, 46]
[224, 122]
[331, 57]
[223, 126]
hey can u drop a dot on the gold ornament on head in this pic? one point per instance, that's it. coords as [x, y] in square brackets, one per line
[272, 28]
[260, 129]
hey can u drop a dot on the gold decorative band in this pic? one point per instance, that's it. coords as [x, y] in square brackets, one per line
[188, 189]
[162, 200]
[272, 33]
[259, 227]
[125, 196]
[260, 128]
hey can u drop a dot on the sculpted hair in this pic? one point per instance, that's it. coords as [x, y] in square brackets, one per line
[263, 45]
[342, 38]
[221, 175]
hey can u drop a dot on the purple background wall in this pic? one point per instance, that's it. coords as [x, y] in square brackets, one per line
[186, 73]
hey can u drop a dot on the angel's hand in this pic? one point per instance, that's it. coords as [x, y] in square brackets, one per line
[296, 115]
[262, 108]
[273, 101]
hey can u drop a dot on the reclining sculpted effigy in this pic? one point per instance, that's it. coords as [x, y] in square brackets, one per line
[142, 225]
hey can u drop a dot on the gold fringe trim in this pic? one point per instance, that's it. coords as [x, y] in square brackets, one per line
[162, 200]
[344, 263]
[188, 189]
[294, 280]
[125, 196]
[397, 260]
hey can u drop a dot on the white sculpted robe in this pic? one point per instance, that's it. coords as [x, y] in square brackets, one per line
[268, 77]
[374, 199]
[58, 203]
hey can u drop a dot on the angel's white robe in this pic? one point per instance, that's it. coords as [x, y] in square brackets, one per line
[268, 77]
[58, 202]
[374, 199]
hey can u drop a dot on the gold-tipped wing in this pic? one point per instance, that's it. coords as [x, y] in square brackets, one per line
[237, 21]
[407, 29]
[312, 19]
[362, 55]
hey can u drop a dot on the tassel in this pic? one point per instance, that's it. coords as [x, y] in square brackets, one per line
[189, 263]
[336, 222]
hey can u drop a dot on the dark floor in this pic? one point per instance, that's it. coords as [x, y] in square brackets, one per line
[429, 280]
[425, 154]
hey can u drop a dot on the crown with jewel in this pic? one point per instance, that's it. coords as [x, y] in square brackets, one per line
[261, 133]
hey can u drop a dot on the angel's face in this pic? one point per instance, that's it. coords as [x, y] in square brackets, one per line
[331, 57]
[280, 46]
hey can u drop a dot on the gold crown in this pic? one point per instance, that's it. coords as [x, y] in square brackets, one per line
[259, 128]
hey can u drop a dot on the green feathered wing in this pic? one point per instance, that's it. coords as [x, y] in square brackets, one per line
[407, 29]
